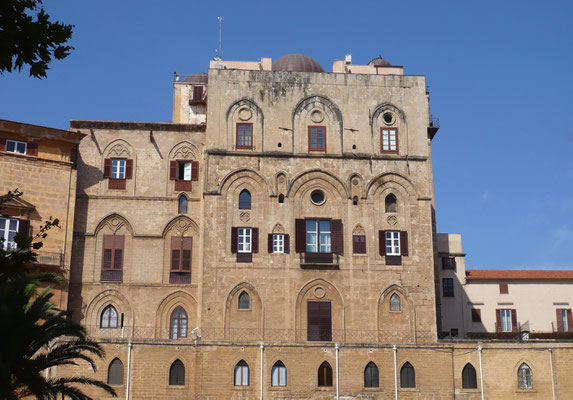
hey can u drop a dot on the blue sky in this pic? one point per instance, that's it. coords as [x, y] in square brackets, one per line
[500, 77]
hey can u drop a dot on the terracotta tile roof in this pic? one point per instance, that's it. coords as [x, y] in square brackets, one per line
[517, 274]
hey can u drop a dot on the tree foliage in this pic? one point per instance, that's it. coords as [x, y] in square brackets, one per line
[28, 37]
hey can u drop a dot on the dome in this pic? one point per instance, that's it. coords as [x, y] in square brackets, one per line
[297, 63]
[379, 62]
[197, 77]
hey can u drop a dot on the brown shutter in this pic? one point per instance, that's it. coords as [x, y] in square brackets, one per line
[498, 320]
[287, 244]
[255, 239]
[382, 242]
[2, 144]
[197, 93]
[559, 320]
[300, 235]
[337, 236]
[569, 321]
[173, 170]
[107, 253]
[453, 263]
[128, 168]
[175, 253]
[32, 149]
[107, 168]
[234, 239]
[513, 320]
[270, 243]
[118, 251]
[186, 254]
[23, 227]
[404, 243]
[194, 170]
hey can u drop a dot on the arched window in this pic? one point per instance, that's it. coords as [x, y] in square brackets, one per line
[278, 374]
[371, 376]
[245, 200]
[109, 317]
[395, 303]
[325, 374]
[242, 374]
[355, 201]
[407, 376]
[177, 373]
[244, 301]
[182, 208]
[469, 378]
[178, 325]
[115, 372]
[524, 377]
[281, 198]
[391, 203]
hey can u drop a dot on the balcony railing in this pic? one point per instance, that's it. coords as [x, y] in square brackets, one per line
[111, 276]
[319, 261]
[180, 277]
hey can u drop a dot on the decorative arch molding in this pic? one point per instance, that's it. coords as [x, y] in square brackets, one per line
[281, 182]
[114, 222]
[278, 228]
[356, 185]
[246, 111]
[119, 148]
[166, 307]
[184, 150]
[358, 230]
[526, 361]
[244, 323]
[317, 174]
[244, 102]
[248, 175]
[182, 225]
[377, 185]
[394, 326]
[310, 103]
[380, 108]
[104, 299]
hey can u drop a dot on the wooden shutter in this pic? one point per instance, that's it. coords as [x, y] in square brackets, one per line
[404, 243]
[173, 170]
[128, 168]
[287, 244]
[194, 170]
[32, 149]
[175, 253]
[186, 253]
[498, 326]
[118, 251]
[23, 227]
[569, 321]
[255, 240]
[453, 263]
[2, 144]
[300, 235]
[270, 243]
[382, 242]
[234, 239]
[197, 93]
[107, 168]
[337, 236]
[559, 320]
[107, 252]
[513, 320]
[359, 244]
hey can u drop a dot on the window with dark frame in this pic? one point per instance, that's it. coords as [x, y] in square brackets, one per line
[506, 320]
[389, 140]
[178, 324]
[182, 205]
[115, 372]
[359, 244]
[407, 376]
[371, 378]
[244, 302]
[476, 315]
[112, 257]
[278, 374]
[503, 288]
[183, 172]
[448, 263]
[324, 375]
[448, 287]
[564, 320]
[109, 318]
[177, 374]
[469, 377]
[181, 259]
[245, 200]
[319, 321]
[317, 138]
[391, 203]
[16, 146]
[244, 136]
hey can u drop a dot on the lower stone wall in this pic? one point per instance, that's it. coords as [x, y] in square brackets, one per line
[209, 370]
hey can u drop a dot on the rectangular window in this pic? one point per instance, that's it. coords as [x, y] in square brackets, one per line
[317, 138]
[476, 315]
[197, 93]
[564, 320]
[245, 136]
[359, 244]
[8, 230]
[319, 318]
[184, 170]
[244, 240]
[448, 263]
[393, 243]
[112, 258]
[278, 243]
[448, 287]
[503, 288]
[117, 169]
[15, 146]
[389, 140]
[181, 248]
[318, 236]
[506, 323]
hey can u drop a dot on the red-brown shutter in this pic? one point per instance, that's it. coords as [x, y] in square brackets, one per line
[569, 321]
[270, 243]
[2, 144]
[234, 239]
[255, 239]
[173, 170]
[187, 248]
[382, 242]
[107, 168]
[128, 168]
[194, 170]
[404, 243]
[197, 93]
[287, 244]
[559, 320]
[175, 253]
[118, 251]
[300, 235]
[24, 227]
[513, 320]
[453, 263]
[32, 149]
[498, 326]
[337, 236]
[107, 253]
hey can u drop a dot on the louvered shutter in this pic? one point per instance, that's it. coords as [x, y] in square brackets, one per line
[513, 320]
[498, 326]
[107, 253]
[382, 242]
[404, 243]
[255, 239]
[24, 227]
[128, 168]
[270, 243]
[559, 320]
[173, 170]
[107, 168]
[194, 170]
[187, 249]
[197, 93]
[300, 235]
[337, 236]
[569, 321]
[175, 253]
[234, 239]
[287, 244]
[118, 252]
[32, 149]
[2, 144]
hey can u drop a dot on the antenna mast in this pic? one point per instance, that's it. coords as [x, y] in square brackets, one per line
[220, 50]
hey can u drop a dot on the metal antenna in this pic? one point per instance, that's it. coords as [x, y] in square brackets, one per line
[220, 51]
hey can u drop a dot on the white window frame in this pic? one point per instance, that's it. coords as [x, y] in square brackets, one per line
[389, 139]
[5, 230]
[186, 170]
[318, 236]
[15, 143]
[117, 168]
[506, 323]
[278, 243]
[393, 243]
[244, 240]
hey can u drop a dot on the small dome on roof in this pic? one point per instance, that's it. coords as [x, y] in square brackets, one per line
[379, 62]
[297, 63]
[197, 77]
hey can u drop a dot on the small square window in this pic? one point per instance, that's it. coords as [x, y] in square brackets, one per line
[448, 263]
[454, 333]
[476, 315]
[278, 243]
[15, 146]
[117, 169]
[503, 288]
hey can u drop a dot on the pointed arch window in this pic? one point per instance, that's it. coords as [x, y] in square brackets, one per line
[177, 373]
[371, 379]
[469, 377]
[245, 200]
[115, 372]
[391, 203]
[278, 374]
[242, 374]
[524, 377]
[244, 301]
[178, 324]
[407, 376]
[395, 303]
[324, 374]
[109, 318]
[182, 206]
